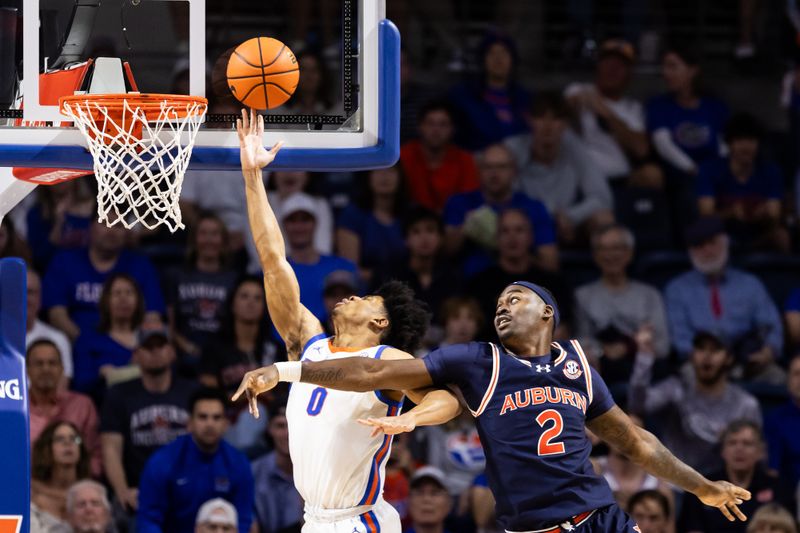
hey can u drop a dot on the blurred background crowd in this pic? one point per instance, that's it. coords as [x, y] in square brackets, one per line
[640, 159]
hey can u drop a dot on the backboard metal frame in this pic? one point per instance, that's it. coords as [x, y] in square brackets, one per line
[375, 144]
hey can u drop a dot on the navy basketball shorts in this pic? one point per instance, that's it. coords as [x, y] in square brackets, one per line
[611, 519]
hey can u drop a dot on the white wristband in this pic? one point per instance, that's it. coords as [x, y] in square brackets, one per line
[289, 371]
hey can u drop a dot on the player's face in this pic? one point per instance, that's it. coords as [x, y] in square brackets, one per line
[650, 517]
[428, 504]
[742, 450]
[89, 513]
[520, 313]
[44, 368]
[793, 381]
[358, 311]
[436, 129]
[208, 423]
[710, 364]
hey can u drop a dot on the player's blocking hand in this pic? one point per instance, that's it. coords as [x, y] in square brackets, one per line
[254, 383]
[250, 129]
[390, 425]
[726, 497]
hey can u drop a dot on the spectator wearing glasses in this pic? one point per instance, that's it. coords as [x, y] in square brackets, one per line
[59, 459]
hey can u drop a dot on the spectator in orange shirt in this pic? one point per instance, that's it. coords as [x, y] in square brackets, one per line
[436, 168]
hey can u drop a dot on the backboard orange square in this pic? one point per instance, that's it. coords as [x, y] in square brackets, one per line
[10, 524]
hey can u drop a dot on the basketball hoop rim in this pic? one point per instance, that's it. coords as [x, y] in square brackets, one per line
[151, 104]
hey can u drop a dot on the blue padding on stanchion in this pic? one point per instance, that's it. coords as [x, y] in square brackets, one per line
[384, 153]
[15, 462]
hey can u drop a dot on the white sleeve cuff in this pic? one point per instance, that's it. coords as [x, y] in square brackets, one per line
[289, 371]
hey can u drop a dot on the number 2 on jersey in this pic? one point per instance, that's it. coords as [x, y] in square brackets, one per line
[546, 445]
[317, 400]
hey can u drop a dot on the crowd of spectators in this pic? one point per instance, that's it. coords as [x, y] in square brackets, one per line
[661, 226]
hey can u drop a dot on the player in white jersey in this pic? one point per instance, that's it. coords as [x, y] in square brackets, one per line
[338, 463]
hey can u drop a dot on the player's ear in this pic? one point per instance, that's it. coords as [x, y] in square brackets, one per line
[380, 323]
[548, 311]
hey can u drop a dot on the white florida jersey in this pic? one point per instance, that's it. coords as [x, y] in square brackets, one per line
[337, 464]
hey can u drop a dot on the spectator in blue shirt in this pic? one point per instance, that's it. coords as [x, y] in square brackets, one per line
[193, 469]
[686, 126]
[471, 218]
[782, 427]
[725, 301]
[72, 285]
[745, 189]
[370, 232]
[99, 351]
[279, 507]
[492, 107]
[59, 220]
[310, 266]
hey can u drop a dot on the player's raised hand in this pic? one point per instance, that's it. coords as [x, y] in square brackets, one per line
[390, 425]
[251, 142]
[726, 497]
[254, 383]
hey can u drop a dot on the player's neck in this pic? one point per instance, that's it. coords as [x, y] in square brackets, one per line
[539, 346]
[353, 339]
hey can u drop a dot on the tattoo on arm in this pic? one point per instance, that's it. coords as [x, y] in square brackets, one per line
[326, 377]
[644, 449]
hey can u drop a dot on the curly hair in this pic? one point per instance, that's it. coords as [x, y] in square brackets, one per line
[408, 317]
[42, 456]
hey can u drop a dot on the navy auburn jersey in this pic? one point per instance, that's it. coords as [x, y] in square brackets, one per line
[531, 413]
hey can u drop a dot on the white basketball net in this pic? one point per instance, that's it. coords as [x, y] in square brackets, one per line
[139, 175]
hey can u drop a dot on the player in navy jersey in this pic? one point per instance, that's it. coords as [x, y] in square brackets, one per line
[532, 399]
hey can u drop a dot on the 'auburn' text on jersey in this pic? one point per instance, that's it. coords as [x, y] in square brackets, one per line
[531, 414]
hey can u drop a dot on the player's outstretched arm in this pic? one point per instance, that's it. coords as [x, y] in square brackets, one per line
[434, 406]
[644, 449]
[293, 321]
[357, 374]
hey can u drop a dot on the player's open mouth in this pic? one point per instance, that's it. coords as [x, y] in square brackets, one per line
[502, 321]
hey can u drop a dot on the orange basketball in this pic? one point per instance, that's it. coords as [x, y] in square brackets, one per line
[263, 73]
